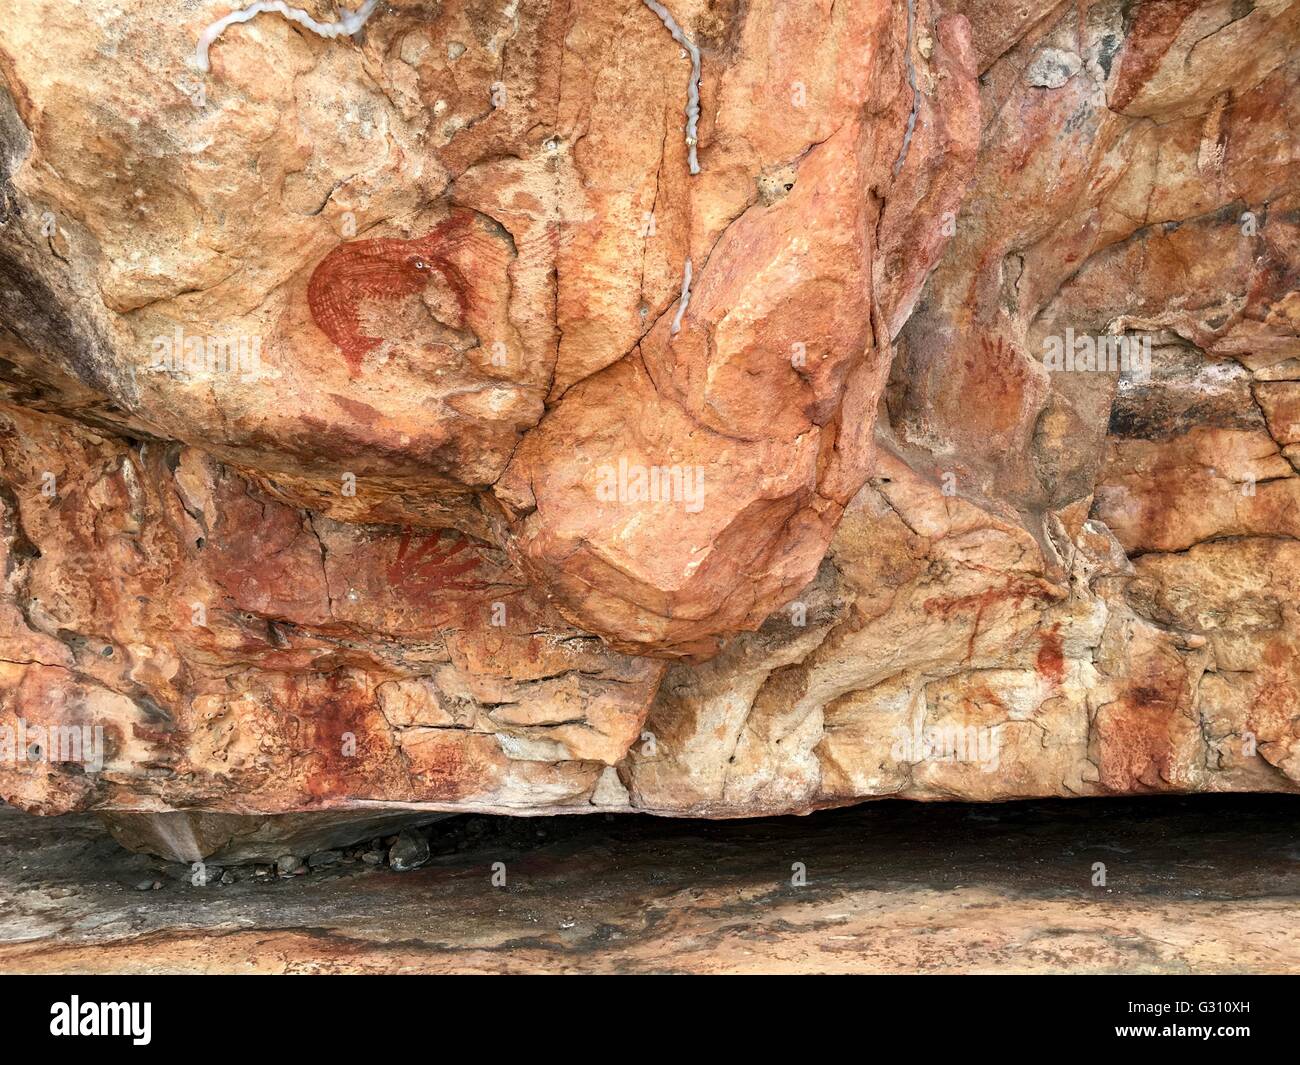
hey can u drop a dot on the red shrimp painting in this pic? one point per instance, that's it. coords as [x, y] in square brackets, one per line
[383, 268]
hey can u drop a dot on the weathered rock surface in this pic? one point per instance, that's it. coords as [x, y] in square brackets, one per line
[1205, 884]
[552, 477]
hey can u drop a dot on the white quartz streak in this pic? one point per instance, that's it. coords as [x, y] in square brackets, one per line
[346, 26]
[685, 300]
[693, 89]
[911, 81]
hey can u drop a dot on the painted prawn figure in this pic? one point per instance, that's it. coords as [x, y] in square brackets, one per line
[383, 268]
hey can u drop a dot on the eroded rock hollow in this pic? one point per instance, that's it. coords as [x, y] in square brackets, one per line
[710, 408]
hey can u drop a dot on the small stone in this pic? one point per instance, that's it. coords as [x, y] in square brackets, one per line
[322, 859]
[287, 865]
[410, 851]
[373, 857]
[261, 870]
[227, 877]
[148, 885]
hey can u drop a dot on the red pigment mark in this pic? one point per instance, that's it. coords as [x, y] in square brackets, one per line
[1278, 654]
[445, 769]
[328, 716]
[1272, 708]
[994, 383]
[435, 564]
[382, 269]
[1155, 28]
[1014, 591]
[1051, 656]
[362, 412]
[1139, 736]
[984, 696]
[157, 736]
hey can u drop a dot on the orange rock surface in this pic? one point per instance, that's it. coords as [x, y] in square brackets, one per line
[396, 420]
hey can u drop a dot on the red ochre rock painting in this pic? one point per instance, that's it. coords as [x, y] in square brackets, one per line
[382, 268]
[438, 563]
[1108, 579]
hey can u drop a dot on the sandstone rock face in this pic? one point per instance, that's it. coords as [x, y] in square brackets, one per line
[396, 420]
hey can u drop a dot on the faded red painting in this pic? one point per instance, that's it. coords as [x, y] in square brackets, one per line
[385, 269]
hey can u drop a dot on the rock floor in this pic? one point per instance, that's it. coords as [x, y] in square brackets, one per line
[1200, 884]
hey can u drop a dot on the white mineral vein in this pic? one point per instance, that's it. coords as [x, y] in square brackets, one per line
[916, 93]
[685, 300]
[346, 26]
[693, 89]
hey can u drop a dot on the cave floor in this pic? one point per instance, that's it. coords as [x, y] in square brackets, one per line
[1198, 884]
